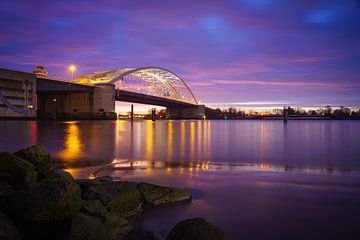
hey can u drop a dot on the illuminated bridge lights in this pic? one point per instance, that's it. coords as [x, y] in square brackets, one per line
[153, 81]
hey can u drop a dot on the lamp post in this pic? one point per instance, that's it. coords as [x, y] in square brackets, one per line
[72, 69]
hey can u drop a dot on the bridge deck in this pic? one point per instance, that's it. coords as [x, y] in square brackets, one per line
[121, 95]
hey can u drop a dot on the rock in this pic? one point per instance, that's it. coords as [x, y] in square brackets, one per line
[116, 226]
[195, 229]
[156, 195]
[8, 231]
[6, 195]
[20, 173]
[6, 177]
[43, 209]
[56, 197]
[86, 183]
[142, 234]
[94, 208]
[104, 179]
[95, 222]
[118, 197]
[38, 156]
[85, 227]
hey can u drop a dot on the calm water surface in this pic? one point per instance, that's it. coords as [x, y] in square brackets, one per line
[254, 179]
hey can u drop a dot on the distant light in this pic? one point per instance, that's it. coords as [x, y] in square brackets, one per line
[72, 68]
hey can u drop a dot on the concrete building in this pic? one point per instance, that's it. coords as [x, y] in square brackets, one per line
[63, 100]
[26, 95]
[17, 94]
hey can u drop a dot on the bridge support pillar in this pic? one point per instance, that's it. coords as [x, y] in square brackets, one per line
[132, 112]
[285, 114]
[153, 114]
[197, 112]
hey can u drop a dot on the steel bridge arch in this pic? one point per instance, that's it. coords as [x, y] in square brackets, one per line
[146, 74]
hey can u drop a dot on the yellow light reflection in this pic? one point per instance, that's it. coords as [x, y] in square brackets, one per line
[73, 148]
[149, 140]
[169, 140]
[200, 149]
[119, 139]
[182, 139]
[192, 141]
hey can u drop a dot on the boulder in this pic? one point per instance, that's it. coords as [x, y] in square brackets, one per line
[86, 183]
[142, 234]
[95, 222]
[38, 156]
[56, 197]
[42, 210]
[156, 195]
[20, 173]
[195, 229]
[6, 195]
[8, 231]
[116, 226]
[118, 197]
[94, 208]
[85, 227]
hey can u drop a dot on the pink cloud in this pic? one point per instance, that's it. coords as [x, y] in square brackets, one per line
[290, 84]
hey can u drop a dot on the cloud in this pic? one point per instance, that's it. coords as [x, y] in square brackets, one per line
[224, 50]
[290, 84]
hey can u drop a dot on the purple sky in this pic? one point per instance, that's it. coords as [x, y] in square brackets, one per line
[230, 52]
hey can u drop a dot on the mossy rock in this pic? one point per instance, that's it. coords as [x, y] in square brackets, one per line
[20, 173]
[195, 229]
[56, 197]
[94, 208]
[6, 195]
[85, 227]
[119, 197]
[95, 222]
[86, 183]
[8, 230]
[143, 234]
[116, 226]
[38, 155]
[156, 195]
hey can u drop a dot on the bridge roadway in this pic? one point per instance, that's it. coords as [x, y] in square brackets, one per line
[126, 96]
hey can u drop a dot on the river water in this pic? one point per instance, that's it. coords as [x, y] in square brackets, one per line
[254, 179]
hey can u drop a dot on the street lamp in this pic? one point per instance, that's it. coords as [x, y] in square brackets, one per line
[72, 69]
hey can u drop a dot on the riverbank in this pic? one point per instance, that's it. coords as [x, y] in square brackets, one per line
[39, 201]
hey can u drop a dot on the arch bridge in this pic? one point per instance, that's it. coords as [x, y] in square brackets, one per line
[148, 85]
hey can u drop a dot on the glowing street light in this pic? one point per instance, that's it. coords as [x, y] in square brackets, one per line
[72, 69]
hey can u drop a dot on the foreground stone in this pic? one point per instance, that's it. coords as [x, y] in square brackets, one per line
[95, 222]
[56, 197]
[119, 197]
[43, 209]
[6, 195]
[44, 203]
[86, 227]
[195, 229]
[156, 195]
[8, 231]
[142, 234]
[18, 172]
[38, 156]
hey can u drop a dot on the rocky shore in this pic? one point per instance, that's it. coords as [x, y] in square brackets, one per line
[39, 201]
